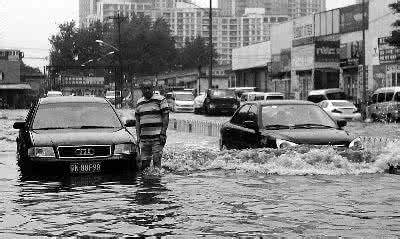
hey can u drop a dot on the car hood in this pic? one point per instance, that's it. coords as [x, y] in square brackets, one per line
[81, 137]
[311, 136]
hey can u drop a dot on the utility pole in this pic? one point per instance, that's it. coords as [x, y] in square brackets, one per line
[364, 73]
[210, 78]
[118, 82]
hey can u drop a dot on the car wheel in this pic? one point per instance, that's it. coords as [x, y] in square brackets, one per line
[374, 118]
[390, 118]
[222, 146]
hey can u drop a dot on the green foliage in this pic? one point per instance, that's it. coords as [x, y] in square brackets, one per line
[196, 54]
[394, 40]
[146, 47]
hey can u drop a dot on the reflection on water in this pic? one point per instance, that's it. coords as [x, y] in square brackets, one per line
[314, 192]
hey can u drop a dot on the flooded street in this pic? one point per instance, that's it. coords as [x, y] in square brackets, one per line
[204, 192]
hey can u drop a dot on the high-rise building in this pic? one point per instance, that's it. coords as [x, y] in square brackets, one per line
[229, 31]
[293, 8]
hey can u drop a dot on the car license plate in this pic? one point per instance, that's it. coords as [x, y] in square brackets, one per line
[85, 167]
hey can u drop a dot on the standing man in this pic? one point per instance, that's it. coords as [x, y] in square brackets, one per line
[152, 118]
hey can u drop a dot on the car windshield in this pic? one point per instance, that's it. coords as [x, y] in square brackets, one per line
[274, 97]
[223, 93]
[336, 96]
[295, 115]
[342, 104]
[184, 97]
[75, 115]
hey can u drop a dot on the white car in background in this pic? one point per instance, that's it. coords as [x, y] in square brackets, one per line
[341, 110]
[183, 101]
[54, 93]
[199, 103]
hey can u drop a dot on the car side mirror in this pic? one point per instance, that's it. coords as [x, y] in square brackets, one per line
[250, 125]
[130, 123]
[19, 125]
[342, 123]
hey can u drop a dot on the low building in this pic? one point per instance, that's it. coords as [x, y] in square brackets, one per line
[78, 85]
[12, 91]
[251, 65]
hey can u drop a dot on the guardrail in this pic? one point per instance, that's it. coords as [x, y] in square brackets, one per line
[210, 128]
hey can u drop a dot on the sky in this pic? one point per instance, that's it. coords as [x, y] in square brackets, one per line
[28, 24]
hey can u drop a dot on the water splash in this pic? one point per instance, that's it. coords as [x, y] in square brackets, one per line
[303, 160]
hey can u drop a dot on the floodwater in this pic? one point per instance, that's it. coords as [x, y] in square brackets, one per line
[202, 192]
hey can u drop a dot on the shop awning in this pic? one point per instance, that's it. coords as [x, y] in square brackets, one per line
[15, 87]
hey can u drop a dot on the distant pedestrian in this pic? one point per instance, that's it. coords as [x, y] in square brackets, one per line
[152, 118]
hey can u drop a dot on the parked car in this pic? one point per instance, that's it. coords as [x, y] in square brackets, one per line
[110, 96]
[183, 101]
[240, 90]
[220, 101]
[199, 103]
[75, 134]
[317, 96]
[54, 93]
[260, 96]
[385, 104]
[284, 123]
[341, 109]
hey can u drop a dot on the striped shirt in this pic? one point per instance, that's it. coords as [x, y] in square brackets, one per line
[150, 116]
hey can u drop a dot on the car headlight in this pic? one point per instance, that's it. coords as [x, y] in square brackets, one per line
[41, 152]
[235, 106]
[356, 144]
[212, 106]
[282, 144]
[124, 149]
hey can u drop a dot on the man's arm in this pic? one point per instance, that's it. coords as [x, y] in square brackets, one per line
[165, 123]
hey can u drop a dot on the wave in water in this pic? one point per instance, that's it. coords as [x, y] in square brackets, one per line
[296, 161]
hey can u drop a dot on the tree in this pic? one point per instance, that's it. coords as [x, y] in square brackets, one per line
[196, 54]
[394, 40]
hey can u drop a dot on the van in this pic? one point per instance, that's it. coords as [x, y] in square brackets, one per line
[385, 104]
[317, 96]
[260, 96]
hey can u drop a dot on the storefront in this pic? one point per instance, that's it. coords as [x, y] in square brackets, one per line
[16, 96]
[350, 59]
[327, 71]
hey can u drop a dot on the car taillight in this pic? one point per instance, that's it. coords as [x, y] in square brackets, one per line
[336, 111]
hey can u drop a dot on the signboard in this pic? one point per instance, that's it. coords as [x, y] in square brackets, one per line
[327, 51]
[387, 53]
[351, 18]
[350, 53]
[303, 31]
[379, 74]
[253, 56]
[303, 57]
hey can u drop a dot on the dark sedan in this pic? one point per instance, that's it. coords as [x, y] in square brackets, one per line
[75, 134]
[284, 123]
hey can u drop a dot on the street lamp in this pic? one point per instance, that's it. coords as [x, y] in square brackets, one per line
[210, 67]
[103, 43]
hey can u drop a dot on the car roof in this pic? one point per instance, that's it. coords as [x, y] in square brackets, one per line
[337, 101]
[282, 102]
[385, 89]
[183, 92]
[72, 99]
[325, 91]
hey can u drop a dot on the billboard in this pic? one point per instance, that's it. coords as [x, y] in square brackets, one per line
[327, 23]
[387, 53]
[303, 31]
[303, 57]
[350, 53]
[253, 56]
[351, 18]
[327, 51]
